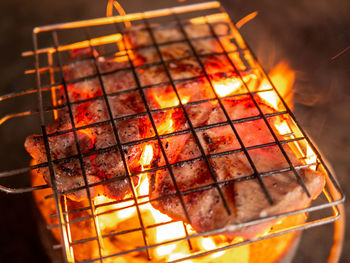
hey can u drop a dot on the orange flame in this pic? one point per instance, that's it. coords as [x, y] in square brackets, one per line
[168, 99]
[227, 86]
[113, 215]
[164, 232]
[282, 76]
[171, 231]
[146, 156]
[166, 126]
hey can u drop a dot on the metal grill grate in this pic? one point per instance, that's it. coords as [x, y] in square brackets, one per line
[50, 77]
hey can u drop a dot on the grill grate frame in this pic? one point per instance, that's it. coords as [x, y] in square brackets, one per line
[63, 213]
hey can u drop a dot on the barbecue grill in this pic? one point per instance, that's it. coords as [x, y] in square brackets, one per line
[103, 34]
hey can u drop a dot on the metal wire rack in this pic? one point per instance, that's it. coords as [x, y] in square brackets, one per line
[102, 34]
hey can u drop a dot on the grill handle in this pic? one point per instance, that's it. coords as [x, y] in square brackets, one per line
[9, 173]
[19, 190]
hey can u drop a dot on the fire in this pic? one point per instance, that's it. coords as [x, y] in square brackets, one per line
[166, 126]
[147, 156]
[112, 216]
[208, 244]
[122, 210]
[282, 76]
[164, 232]
[311, 157]
[169, 99]
[227, 86]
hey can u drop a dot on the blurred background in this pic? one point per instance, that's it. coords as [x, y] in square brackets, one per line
[307, 34]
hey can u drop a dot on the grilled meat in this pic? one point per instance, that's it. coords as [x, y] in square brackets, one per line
[104, 164]
[245, 198]
[242, 193]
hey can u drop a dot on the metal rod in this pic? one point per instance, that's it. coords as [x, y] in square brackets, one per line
[128, 17]
[81, 162]
[121, 152]
[263, 186]
[261, 114]
[48, 152]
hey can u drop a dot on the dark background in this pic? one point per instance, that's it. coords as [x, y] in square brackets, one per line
[305, 33]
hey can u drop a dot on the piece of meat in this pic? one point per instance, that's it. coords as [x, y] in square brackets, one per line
[90, 112]
[98, 167]
[105, 165]
[245, 199]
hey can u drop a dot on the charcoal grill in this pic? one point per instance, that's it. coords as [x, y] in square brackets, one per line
[102, 34]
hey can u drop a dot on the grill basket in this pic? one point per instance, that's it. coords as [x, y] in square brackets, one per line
[102, 34]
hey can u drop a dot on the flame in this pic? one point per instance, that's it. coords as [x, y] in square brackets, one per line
[164, 232]
[282, 76]
[311, 157]
[227, 86]
[124, 211]
[282, 127]
[112, 215]
[146, 156]
[168, 99]
[166, 126]
[208, 244]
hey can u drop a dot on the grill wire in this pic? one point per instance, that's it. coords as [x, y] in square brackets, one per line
[54, 54]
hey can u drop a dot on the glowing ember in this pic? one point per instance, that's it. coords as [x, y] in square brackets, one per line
[166, 99]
